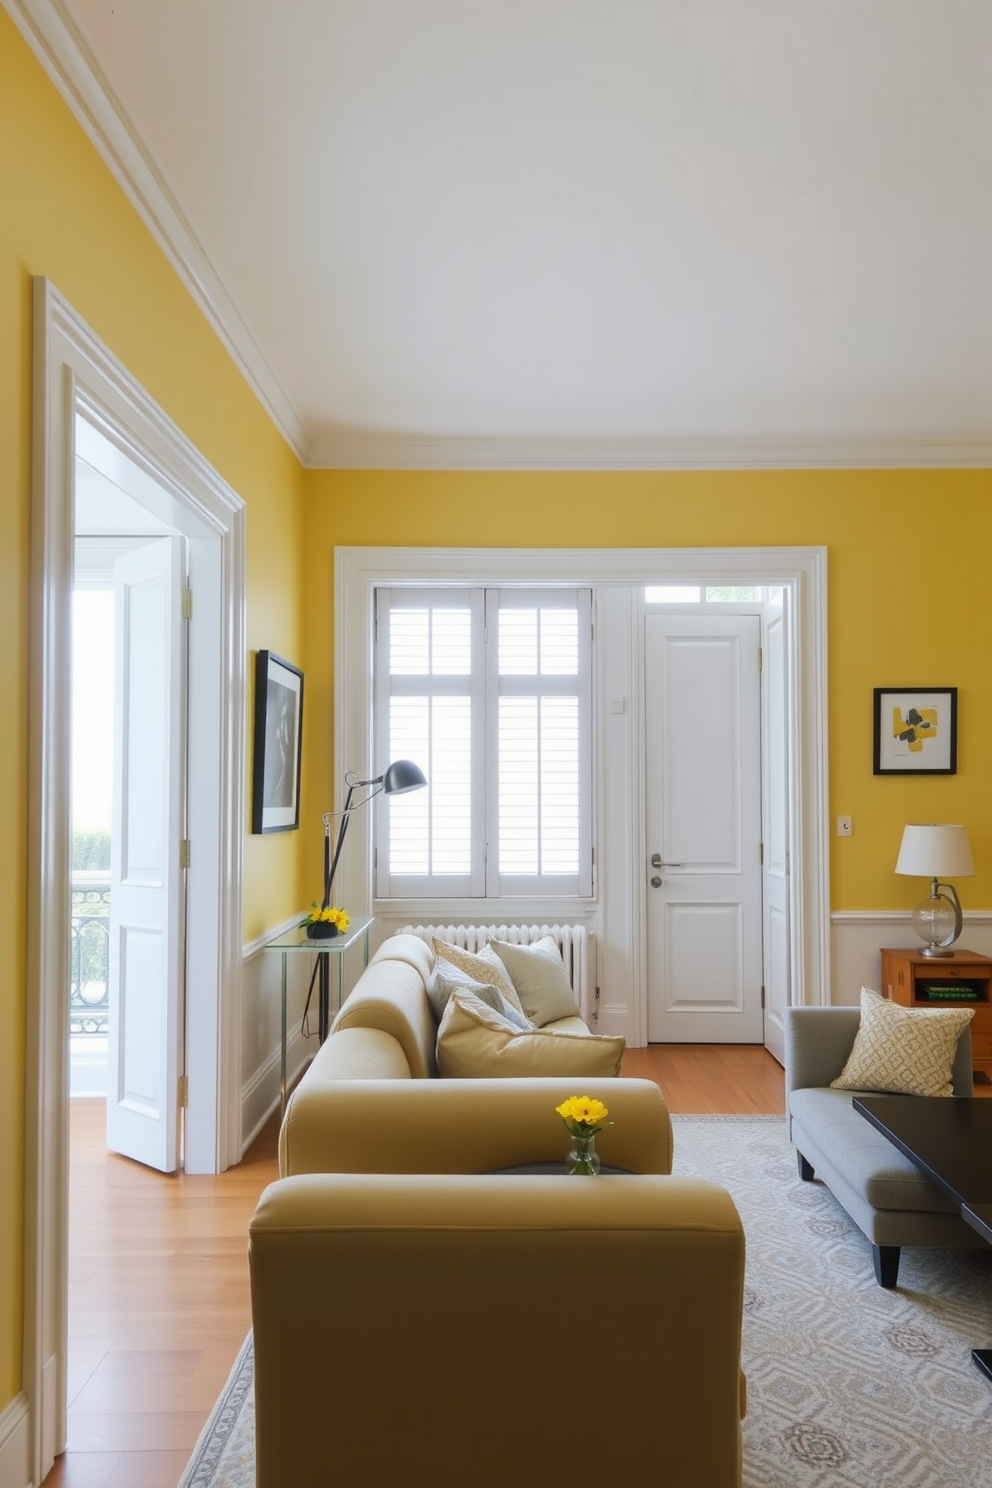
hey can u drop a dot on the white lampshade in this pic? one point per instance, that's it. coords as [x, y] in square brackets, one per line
[935, 850]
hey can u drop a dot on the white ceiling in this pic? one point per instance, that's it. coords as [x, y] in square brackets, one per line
[566, 232]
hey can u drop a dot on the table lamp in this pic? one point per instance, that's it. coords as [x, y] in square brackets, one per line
[932, 850]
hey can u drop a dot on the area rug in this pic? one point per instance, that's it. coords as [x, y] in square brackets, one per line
[849, 1386]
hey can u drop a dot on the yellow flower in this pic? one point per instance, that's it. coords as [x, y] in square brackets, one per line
[329, 915]
[583, 1115]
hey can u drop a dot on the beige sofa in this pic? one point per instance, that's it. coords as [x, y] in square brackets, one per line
[371, 1101]
[421, 1317]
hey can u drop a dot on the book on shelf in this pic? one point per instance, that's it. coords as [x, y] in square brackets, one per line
[952, 992]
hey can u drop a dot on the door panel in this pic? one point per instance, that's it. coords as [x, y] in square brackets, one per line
[146, 889]
[775, 830]
[703, 828]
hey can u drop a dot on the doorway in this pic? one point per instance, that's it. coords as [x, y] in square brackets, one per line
[82, 390]
[723, 822]
[129, 800]
[703, 804]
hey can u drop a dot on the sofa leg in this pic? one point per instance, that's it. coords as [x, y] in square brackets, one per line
[886, 1262]
[806, 1171]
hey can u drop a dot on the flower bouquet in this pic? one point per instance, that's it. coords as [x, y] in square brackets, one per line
[584, 1119]
[323, 923]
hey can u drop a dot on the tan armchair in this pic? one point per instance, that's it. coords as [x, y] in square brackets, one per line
[495, 1330]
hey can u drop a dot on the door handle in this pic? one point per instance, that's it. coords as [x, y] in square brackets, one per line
[657, 882]
[657, 863]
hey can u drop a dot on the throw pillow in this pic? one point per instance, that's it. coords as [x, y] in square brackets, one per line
[482, 966]
[473, 1042]
[903, 1051]
[440, 988]
[540, 979]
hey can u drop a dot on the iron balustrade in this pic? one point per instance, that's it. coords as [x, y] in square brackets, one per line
[89, 953]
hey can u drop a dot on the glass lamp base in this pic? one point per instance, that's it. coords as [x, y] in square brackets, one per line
[935, 921]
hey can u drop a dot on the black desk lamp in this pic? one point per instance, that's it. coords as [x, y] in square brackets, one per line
[400, 777]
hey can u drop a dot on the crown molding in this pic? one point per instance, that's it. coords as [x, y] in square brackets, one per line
[56, 41]
[370, 451]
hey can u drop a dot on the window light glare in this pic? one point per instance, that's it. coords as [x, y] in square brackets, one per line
[673, 593]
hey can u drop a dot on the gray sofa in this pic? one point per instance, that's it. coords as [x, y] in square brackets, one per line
[884, 1193]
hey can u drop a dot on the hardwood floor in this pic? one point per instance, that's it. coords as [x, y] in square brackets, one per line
[158, 1274]
[158, 1305]
[714, 1079]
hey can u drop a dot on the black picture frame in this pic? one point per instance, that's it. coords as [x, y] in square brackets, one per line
[275, 784]
[927, 742]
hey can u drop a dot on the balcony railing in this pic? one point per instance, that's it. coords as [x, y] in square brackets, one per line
[90, 953]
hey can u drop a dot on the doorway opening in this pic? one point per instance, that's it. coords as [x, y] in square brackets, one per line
[127, 989]
[720, 814]
[83, 392]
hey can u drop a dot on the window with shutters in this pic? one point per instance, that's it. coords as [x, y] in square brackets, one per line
[489, 691]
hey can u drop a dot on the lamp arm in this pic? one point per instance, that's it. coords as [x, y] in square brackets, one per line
[950, 892]
[330, 864]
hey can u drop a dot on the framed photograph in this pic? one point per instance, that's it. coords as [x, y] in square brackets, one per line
[275, 786]
[916, 730]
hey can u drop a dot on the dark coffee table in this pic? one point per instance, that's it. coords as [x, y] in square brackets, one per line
[950, 1140]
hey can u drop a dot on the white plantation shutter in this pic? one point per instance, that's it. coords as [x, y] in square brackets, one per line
[539, 811]
[489, 692]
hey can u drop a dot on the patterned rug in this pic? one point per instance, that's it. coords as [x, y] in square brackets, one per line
[849, 1386]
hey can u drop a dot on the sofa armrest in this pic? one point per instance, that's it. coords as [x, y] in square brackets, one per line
[465, 1126]
[403, 1303]
[817, 1044]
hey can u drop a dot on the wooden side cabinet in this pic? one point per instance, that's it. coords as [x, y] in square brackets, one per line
[915, 980]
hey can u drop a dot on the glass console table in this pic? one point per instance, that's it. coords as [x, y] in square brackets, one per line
[295, 943]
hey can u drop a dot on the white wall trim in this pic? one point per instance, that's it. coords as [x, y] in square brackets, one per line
[255, 947]
[14, 1439]
[60, 47]
[73, 370]
[344, 450]
[358, 571]
[902, 917]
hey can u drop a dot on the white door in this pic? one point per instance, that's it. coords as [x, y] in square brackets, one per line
[703, 828]
[775, 825]
[146, 880]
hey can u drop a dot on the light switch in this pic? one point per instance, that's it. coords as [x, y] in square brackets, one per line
[618, 705]
[845, 826]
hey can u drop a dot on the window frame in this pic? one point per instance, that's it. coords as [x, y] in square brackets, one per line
[485, 686]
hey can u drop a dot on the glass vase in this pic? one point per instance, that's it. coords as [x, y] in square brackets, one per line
[583, 1159]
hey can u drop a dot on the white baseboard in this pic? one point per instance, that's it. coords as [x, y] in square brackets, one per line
[14, 1444]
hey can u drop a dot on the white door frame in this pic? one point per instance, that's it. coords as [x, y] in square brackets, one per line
[74, 372]
[359, 570]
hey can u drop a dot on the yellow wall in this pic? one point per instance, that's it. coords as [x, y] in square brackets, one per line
[908, 553]
[904, 608]
[63, 216]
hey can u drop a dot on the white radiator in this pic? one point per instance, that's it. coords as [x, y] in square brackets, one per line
[576, 943]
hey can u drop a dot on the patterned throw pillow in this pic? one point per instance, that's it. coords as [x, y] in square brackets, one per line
[482, 966]
[903, 1051]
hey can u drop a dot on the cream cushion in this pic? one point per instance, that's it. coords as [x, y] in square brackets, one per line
[903, 1051]
[482, 966]
[540, 980]
[475, 1042]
